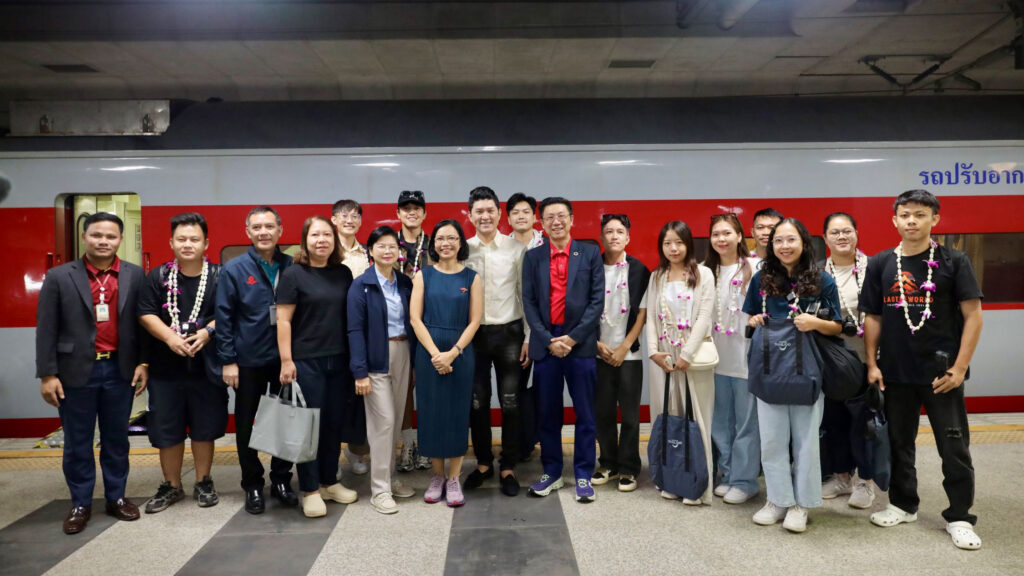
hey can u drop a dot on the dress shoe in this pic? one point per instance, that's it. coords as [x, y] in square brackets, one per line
[476, 478]
[254, 503]
[284, 493]
[76, 519]
[123, 509]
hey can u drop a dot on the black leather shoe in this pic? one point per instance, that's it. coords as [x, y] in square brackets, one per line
[476, 478]
[76, 520]
[254, 503]
[285, 494]
[122, 509]
[509, 485]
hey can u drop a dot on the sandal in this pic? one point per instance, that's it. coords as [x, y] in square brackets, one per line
[963, 535]
[892, 516]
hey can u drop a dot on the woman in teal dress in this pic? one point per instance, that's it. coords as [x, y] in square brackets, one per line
[445, 310]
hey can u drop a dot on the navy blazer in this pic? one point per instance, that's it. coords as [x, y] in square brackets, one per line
[368, 323]
[584, 298]
[66, 323]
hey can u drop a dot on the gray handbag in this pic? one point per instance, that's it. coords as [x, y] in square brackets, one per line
[290, 431]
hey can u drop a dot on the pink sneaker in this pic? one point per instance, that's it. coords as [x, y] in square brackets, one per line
[453, 493]
[435, 492]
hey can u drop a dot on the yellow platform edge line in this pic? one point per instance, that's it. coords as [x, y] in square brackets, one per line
[56, 452]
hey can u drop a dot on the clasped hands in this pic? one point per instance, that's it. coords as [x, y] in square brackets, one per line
[561, 346]
[188, 346]
[442, 361]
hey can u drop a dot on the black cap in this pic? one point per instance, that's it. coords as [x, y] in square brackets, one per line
[412, 197]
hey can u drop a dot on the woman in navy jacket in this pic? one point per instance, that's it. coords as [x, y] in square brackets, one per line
[381, 342]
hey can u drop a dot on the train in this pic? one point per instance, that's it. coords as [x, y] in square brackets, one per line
[979, 183]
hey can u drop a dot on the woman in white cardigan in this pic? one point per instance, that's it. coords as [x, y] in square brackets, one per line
[680, 301]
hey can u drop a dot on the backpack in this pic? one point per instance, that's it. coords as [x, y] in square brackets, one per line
[784, 364]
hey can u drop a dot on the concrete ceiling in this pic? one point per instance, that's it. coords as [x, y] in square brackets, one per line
[322, 50]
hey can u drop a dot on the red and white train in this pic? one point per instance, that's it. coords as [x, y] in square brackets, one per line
[979, 185]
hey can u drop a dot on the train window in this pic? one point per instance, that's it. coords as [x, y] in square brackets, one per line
[998, 261]
[230, 252]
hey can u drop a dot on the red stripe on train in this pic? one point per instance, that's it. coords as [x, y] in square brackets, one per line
[39, 427]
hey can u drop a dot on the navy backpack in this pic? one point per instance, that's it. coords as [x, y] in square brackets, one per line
[784, 364]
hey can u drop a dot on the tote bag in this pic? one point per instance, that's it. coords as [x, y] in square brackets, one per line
[675, 452]
[288, 430]
[783, 364]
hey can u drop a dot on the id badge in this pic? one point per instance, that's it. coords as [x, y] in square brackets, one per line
[102, 313]
[273, 314]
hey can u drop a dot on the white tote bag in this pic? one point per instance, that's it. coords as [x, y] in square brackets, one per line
[288, 430]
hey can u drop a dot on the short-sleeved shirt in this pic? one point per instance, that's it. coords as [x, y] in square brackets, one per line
[614, 321]
[906, 358]
[320, 298]
[164, 363]
[778, 306]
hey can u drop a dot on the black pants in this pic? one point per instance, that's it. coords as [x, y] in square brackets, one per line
[497, 345]
[324, 381]
[529, 433]
[619, 387]
[842, 438]
[252, 383]
[947, 414]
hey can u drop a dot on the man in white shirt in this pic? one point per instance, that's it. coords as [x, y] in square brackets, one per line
[500, 341]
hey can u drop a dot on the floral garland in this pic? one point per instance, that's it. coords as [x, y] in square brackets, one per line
[419, 252]
[928, 286]
[860, 263]
[794, 308]
[731, 302]
[622, 291]
[675, 338]
[172, 297]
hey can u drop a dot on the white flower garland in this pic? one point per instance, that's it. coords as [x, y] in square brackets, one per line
[671, 332]
[172, 297]
[731, 300]
[860, 263]
[419, 252]
[928, 287]
[621, 290]
[794, 308]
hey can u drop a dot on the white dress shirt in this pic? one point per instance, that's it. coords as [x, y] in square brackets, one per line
[500, 266]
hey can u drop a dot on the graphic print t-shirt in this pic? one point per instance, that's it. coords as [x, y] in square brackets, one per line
[907, 358]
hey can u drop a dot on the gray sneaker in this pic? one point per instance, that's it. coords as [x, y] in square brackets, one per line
[406, 462]
[422, 462]
[204, 493]
[165, 496]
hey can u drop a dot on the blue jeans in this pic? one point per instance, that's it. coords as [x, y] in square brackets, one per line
[107, 397]
[735, 434]
[323, 381]
[797, 481]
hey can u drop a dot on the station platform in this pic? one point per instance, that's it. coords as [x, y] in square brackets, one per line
[620, 533]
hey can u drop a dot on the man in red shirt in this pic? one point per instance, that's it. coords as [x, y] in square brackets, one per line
[563, 298]
[87, 356]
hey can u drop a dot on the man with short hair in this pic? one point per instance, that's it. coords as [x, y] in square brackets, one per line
[563, 297]
[87, 357]
[186, 396]
[500, 341]
[522, 215]
[413, 243]
[521, 211]
[923, 307]
[764, 220]
[246, 334]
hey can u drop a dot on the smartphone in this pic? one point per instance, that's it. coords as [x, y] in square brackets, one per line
[942, 363]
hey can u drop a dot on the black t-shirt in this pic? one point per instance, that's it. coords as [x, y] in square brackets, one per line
[319, 325]
[410, 250]
[908, 358]
[163, 363]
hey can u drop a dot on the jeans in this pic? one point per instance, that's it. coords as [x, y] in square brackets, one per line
[619, 387]
[252, 384]
[796, 482]
[323, 381]
[734, 430]
[947, 414]
[108, 398]
[497, 345]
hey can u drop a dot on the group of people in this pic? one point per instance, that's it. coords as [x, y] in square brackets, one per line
[367, 330]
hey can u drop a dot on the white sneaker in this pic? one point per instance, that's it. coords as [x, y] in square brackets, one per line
[668, 495]
[400, 490]
[963, 535]
[736, 496]
[689, 502]
[339, 494]
[796, 519]
[863, 495]
[835, 486]
[384, 503]
[769, 514]
[313, 506]
[360, 464]
[722, 490]
[406, 461]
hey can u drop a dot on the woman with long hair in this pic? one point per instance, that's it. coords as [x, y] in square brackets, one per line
[734, 428]
[311, 305]
[789, 282]
[680, 300]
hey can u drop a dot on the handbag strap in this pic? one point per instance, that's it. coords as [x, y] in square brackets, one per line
[664, 419]
[689, 417]
[764, 345]
[297, 394]
[801, 340]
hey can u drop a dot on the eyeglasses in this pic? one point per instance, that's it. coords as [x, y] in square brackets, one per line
[606, 218]
[385, 247]
[354, 216]
[446, 239]
[560, 217]
[786, 241]
[848, 232]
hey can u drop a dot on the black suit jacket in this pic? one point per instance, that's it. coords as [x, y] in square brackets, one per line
[66, 323]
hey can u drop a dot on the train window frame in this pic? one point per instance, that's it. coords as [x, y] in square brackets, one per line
[1002, 289]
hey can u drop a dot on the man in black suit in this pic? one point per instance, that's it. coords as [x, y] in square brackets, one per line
[87, 356]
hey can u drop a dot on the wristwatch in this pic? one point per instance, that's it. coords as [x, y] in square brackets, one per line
[209, 331]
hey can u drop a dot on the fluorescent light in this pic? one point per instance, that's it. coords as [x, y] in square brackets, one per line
[380, 164]
[129, 168]
[616, 162]
[854, 160]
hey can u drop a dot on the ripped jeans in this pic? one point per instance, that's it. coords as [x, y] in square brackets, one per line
[947, 415]
[497, 345]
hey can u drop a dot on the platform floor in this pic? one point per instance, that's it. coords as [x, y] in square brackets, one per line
[634, 533]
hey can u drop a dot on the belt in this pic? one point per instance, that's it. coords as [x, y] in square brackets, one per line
[398, 339]
[106, 355]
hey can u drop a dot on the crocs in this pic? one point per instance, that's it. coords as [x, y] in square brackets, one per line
[963, 535]
[892, 516]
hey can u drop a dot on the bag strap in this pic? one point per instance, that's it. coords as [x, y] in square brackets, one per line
[689, 417]
[297, 395]
[764, 344]
[800, 353]
[664, 419]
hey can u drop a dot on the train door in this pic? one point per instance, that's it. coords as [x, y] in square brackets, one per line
[73, 209]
